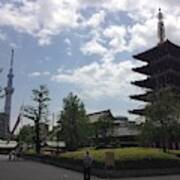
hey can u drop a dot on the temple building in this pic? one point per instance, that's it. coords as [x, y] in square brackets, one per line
[162, 67]
[124, 132]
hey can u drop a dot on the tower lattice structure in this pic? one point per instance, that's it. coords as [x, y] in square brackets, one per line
[9, 92]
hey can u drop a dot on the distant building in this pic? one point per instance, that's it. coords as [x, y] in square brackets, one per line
[7, 146]
[94, 117]
[124, 132]
[124, 127]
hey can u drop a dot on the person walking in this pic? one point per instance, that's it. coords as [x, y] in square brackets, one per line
[87, 163]
[10, 155]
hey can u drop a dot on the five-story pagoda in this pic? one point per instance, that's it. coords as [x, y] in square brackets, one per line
[162, 67]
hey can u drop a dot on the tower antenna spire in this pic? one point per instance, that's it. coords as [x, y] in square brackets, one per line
[161, 28]
[12, 58]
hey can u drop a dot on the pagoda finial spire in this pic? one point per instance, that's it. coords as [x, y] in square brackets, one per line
[161, 28]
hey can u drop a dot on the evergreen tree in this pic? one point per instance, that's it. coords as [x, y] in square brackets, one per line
[74, 122]
[103, 129]
[162, 117]
[26, 135]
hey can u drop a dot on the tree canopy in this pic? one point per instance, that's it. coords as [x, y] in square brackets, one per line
[74, 122]
[39, 111]
[162, 117]
[26, 135]
[103, 129]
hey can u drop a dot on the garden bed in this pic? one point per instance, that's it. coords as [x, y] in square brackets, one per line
[129, 162]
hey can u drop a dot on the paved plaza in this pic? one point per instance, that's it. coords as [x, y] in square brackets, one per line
[27, 170]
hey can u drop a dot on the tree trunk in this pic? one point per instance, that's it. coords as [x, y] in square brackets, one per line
[38, 146]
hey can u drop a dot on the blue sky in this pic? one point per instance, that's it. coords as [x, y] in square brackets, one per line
[80, 46]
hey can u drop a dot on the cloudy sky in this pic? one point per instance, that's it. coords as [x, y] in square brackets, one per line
[83, 46]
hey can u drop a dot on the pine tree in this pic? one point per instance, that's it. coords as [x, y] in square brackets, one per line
[38, 112]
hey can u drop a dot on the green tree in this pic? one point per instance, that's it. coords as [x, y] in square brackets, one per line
[149, 133]
[103, 129]
[38, 112]
[26, 135]
[162, 116]
[74, 122]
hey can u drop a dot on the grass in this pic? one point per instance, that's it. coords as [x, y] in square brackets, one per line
[121, 154]
[125, 158]
[175, 152]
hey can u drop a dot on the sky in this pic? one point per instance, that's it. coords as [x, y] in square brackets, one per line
[81, 46]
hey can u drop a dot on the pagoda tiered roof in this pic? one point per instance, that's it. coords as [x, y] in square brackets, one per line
[159, 51]
[142, 97]
[169, 77]
[167, 62]
[162, 70]
[138, 111]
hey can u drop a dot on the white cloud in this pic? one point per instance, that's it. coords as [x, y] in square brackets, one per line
[14, 45]
[96, 19]
[116, 35]
[68, 49]
[44, 19]
[101, 80]
[3, 36]
[68, 41]
[41, 19]
[47, 59]
[143, 27]
[92, 3]
[38, 74]
[93, 47]
[69, 53]
[143, 35]
[34, 74]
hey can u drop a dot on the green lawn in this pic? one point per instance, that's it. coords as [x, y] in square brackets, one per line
[125, 158]
[175, 152]
[121, 154]
[128, 158]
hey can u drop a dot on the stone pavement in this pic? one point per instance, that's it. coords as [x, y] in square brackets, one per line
[27, 170]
